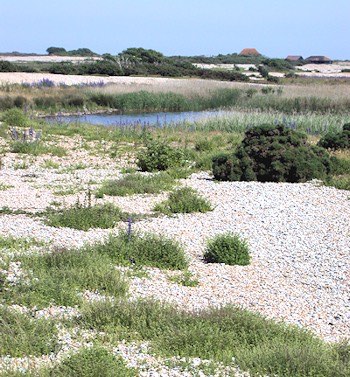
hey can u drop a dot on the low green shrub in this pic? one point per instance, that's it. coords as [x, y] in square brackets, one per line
[92, 362]
[204, 145]
[136, 184]
[340, 166]
[85, 217]
[275, 154]
[61, 276]
[336, 140]
[15, 118]
[184, 200]
[6, 66]
[258, 345]
[340, 182]
[147, 250]
[21, 335]
[37, 148]
[186, 278]
[159, 156]
[229, 249]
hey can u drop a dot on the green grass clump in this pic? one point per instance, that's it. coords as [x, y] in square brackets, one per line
[146, 250]
[17, 244]
[21, 335]
[59, 277]
[49, 164]
[4, 187]
[37, 148]
[340, 168]
[229, 249]
[184, 200]
[84, 217]
[137, 184]
[258, 345]
[340, 182]
[92, 362]
[186, 278]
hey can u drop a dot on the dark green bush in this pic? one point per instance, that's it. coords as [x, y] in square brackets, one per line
[159, 156]
[229, 249]
[6, 102]
[20, 101]
[273, 154]
[336, 140]
[184, 200]
[6, 66]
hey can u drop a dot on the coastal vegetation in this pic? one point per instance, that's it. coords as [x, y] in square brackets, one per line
[154, 221]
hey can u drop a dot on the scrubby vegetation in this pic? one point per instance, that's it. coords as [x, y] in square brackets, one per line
[229, 249]
[258, 345]
[184, 200]
[336, 140]
[21, 334]
[92, 362]
[159, 156]
[136, 184]
[51, 277]
[275, 154]
[37, 148]
[84, 217]
[130, 248]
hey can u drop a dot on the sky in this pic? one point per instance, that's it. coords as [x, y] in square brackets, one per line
[179, 27]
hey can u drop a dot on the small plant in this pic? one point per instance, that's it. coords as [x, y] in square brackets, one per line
[184, 200]
[21, 165]
[186, 278]
[229, 249]
[49, 164]
[4, 186]
[159, 156]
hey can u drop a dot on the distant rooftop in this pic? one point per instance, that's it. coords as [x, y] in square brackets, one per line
[318, 59]
[249, 52]
[294, 58]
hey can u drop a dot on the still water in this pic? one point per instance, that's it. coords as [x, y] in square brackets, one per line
[151, 119]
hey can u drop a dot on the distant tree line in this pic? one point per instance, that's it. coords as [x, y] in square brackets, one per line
[148, 62]
[60, 51]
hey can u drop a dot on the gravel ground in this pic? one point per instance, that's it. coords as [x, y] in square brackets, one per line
[298, 234]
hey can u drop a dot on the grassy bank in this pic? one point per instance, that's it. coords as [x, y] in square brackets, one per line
[45, 97]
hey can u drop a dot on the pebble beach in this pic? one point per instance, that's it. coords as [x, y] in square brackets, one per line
[298, 236]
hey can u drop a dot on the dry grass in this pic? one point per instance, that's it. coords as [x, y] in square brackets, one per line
[335, 89]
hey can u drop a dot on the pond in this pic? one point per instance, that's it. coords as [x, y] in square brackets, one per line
[147, 119]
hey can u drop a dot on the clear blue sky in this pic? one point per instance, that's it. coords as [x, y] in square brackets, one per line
[179, 27]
